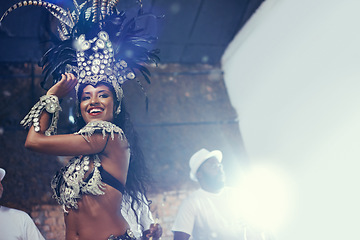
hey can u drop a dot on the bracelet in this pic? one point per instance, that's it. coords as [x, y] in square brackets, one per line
[51, 104]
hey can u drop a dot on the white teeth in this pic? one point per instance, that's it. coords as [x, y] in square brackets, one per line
[94, 110]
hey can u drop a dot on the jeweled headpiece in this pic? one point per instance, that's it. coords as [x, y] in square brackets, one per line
[96, 43]
[100, 65]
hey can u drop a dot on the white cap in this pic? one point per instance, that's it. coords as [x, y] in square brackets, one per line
[2, 174]
[199, 158]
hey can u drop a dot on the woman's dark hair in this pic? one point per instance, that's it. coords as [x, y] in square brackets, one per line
[138, 177]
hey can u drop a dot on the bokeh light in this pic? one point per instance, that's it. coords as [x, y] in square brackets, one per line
[265, 197]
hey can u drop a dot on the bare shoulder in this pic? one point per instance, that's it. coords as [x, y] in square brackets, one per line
[118, 144]
[115, 157]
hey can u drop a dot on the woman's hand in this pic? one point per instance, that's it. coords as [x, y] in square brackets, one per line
[154, 233]
[64, 86]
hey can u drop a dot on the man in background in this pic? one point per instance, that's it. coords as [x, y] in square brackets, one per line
[210, 212]
[16, 224]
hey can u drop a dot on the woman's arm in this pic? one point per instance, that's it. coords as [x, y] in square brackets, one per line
[67, 144]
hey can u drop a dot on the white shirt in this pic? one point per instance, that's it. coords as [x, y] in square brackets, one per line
[206, 216]
[17, 225]
[143, 213]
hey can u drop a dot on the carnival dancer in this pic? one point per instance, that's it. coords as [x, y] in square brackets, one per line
[98, 50]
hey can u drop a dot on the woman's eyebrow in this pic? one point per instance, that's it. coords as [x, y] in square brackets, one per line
[100, 91]
[104, 91]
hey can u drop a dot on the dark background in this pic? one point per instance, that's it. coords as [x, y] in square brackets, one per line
[191, 31]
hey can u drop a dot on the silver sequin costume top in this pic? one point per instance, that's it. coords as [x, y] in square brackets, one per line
[68, 184]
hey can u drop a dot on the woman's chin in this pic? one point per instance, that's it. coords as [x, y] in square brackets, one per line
[97, 118]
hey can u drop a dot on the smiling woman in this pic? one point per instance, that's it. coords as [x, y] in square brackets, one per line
[92, 185]
[97, 103]
[95, 179]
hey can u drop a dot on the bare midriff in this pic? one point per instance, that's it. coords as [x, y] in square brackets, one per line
[97, 217]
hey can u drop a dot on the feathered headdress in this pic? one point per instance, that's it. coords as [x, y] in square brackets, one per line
[97, 43]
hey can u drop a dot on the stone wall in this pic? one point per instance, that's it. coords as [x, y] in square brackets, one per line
[164, 207]
[50, 221]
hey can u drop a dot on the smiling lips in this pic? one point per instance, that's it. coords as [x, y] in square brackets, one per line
[95, 111]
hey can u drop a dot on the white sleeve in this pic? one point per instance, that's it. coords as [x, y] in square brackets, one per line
[31, 232]
[185, 218]
[146, 217]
